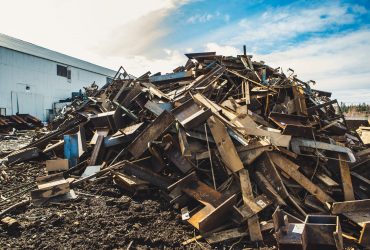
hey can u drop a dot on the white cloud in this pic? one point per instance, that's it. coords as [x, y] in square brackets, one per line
[350, 96]
[358, 9]
[335, 63]
[139, 64]
[206, 17]
[92, 30]
[279, 26]
[284, 23]
[338, 64]
[112, 33]
[200, 18]
[136, 37]
[227, 18]
[222, 49]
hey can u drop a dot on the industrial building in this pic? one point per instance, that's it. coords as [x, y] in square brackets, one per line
[33, 78]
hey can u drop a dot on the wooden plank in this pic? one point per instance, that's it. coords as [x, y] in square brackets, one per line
[56, 165]
[48, 185]
[304, 182]
[51, 189]
[151, 133]
[9, 222]
[130, 183]
[346, 178]
[224, 144]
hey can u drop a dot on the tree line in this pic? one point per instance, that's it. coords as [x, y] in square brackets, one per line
[355, 108]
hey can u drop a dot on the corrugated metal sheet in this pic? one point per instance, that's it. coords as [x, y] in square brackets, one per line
[32, 49]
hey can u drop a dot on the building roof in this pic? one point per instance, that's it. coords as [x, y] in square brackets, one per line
[34, 50]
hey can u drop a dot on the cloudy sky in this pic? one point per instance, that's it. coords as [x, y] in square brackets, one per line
[325, 41]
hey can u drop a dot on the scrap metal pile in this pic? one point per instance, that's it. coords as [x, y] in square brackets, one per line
[237, 147]
[19, 121]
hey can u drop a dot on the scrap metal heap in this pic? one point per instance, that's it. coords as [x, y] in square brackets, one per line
[18, 121]
[237, 147]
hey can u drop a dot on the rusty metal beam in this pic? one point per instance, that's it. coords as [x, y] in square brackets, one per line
[224, 144]
[151, 132]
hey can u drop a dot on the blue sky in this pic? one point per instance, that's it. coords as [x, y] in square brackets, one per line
[326, 41]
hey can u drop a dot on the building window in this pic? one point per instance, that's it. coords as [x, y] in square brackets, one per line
[62, 70]
[69, 73]
[3, 111]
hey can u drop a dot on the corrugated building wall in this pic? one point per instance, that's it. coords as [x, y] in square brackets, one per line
[31, 84]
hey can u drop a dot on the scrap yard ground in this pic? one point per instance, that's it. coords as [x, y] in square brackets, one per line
[223, 152]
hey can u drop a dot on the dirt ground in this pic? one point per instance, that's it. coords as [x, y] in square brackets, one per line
[97, 220]
[102, 217]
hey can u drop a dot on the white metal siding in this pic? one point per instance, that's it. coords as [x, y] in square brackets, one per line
[18, 70]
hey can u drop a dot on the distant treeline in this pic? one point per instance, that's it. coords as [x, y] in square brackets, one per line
[362, 108]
